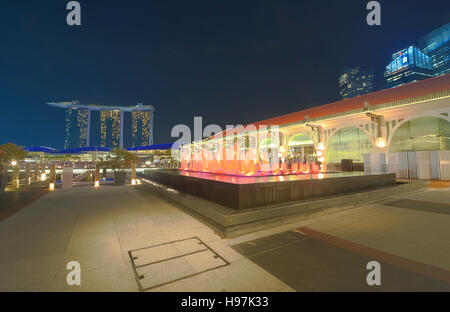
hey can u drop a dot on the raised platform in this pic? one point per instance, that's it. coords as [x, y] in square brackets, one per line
[238, 192]
[232, 222]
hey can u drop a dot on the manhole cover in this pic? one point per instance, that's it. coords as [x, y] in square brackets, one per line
[169, 262]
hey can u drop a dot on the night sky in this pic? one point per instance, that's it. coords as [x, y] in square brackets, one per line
[228, 61]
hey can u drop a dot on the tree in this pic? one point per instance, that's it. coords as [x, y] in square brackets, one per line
[119, 160]
[9, 152]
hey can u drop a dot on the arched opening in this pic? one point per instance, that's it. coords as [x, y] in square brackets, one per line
[301, 146]
[348, 143]
[422, 134]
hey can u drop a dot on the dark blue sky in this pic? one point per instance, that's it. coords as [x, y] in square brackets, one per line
[229, 61]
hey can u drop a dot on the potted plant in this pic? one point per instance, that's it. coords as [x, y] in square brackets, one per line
[119, 161]
[9, 153]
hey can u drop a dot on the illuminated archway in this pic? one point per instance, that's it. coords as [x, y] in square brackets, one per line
[300, 139]
[348, 143]
[301, 146]
[421, 134]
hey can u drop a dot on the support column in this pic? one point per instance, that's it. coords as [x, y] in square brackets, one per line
[121, 129]
[133, 170]
[52, 173]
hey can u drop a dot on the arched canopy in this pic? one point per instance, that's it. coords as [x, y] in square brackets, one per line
[300, 139]
[421, 134]
[348, 143]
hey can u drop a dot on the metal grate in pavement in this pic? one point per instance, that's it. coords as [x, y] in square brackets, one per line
[169, 262]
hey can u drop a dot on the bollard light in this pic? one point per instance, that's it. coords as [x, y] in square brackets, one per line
[13, 163]
[133, 181]
[52, 186]
[43, 177]
[97, 183]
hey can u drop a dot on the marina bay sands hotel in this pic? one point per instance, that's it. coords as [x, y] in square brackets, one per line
[112, 123]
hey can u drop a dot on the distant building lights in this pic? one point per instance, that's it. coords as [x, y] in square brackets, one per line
[13, 163]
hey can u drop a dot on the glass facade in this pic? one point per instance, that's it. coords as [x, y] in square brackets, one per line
[77, 121]
[436, 45]
[140, 124]
[408, 65]
[110, 128]
[348, 143]
[354, 82]
[422, 134]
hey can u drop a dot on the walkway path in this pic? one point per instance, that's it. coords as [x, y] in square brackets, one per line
[97, 228]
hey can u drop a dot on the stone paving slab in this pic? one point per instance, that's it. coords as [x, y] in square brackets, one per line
[313, 265]
[98, 228]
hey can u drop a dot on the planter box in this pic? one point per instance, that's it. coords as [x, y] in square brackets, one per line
[119, 178]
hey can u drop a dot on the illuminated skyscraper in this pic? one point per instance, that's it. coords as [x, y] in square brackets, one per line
[436, 45]
[354, 82]
[140, 128]
[112, 123]
[408, 65]
[77, 126]
[110, 128]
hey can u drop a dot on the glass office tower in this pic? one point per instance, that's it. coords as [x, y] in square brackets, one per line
[408, 65]
[140, 132]
[110, 128]
[77, 123]
[354, 82]
[436, 45]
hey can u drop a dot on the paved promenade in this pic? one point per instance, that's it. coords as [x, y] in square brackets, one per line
[407, 234]
[98, 227]
[120, 233]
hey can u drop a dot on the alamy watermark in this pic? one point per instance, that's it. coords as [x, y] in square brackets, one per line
[374, 276]
[73, 278]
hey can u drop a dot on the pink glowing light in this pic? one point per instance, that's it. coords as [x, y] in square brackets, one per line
[234, 161]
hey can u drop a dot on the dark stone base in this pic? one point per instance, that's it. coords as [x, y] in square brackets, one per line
[238, 192]
[119, 178]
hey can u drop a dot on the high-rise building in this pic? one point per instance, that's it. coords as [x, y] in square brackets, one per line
[112, 124]
[408, 65]
[140, 127]
[110, 128]
[436, 45]
[77, 126]
[354, 82]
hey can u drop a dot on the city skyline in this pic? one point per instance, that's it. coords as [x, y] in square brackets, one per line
[229, 152]
[113, 125]
[197, 73]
